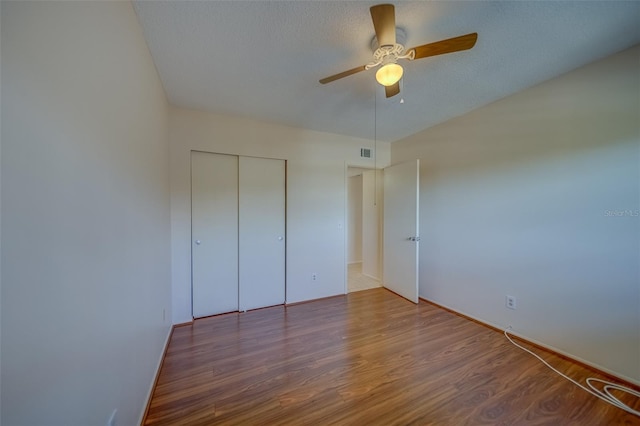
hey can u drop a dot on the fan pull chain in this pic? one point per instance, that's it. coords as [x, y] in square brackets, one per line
[375, 146]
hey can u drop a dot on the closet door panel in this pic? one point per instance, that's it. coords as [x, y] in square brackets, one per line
[214, 230]
[261, 232]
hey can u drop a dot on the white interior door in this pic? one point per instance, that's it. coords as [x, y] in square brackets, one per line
[401, 233]
[214, 230]
[262, 232]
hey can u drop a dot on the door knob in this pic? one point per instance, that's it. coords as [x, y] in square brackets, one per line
[280, 238]
[197, 242]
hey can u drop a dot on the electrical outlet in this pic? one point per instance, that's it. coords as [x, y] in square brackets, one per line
[510, 302]
[314, 277]
[112, 418]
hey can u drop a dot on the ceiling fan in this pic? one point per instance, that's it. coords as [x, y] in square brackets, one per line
[389, 51]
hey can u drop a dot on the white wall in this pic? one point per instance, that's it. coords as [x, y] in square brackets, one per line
[316, 194]
[85, 214]
[515, 199]
[354, 224]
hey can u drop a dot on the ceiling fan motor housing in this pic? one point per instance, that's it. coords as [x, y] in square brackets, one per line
[401, 38]
[389, 54]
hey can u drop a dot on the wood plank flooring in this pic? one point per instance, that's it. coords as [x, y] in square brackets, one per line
[367, 358]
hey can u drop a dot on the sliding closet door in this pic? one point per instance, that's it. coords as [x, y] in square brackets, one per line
[261, 232]
[214, 230]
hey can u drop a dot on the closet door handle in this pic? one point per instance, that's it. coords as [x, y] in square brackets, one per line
[198, 242]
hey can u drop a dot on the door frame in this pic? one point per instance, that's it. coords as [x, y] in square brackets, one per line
[345, 262]
[286, 223]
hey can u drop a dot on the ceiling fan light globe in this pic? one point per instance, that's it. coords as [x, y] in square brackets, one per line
[389, 74]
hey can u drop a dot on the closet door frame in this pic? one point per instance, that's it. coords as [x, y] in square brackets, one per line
[279, 237]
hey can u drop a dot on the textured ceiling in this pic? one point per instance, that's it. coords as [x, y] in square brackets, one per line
[263, 59]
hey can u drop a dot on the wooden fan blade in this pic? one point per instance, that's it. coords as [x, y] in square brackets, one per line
[342, 75]
[450, 45]
[384, 22]
[392, 90]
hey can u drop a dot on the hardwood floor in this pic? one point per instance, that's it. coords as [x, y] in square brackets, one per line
[368, 358]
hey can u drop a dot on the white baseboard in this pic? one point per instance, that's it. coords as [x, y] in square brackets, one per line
[155, 377]
[543, 345]
[372, 277]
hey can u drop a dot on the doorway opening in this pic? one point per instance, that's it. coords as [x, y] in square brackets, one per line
[364, 228]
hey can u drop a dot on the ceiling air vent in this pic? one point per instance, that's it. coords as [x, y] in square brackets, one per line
[365, 152]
